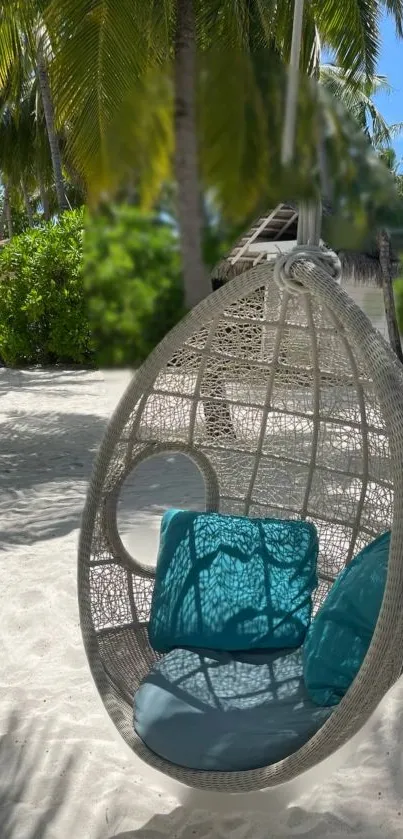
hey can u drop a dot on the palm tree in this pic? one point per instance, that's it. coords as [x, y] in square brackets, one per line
[48, 109]
[14, 169]
[25, 161]
[358, 97]
[389, 158]
[26, 51]
[197, 283]
[384, 245]
[124, 39]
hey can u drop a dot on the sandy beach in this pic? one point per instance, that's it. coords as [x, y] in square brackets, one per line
[64, 771]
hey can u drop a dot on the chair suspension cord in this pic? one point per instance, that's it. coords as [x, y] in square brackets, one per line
[291, 103]
[309, 216]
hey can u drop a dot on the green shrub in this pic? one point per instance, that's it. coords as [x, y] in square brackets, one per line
[133, 282]
[113, 313]
[43, 316]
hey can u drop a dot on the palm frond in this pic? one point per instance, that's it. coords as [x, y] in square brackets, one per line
[241, 128]
[234, 145]
[359, 82]
[149, 142]
[365, 194]
[395, 9]
[16, 144]
[11, 49]
[357, 96]
[396, 129]
[138, 143]
[18, 27]
[352, 31]
[282, 29]
[100, 50]
[228, 22]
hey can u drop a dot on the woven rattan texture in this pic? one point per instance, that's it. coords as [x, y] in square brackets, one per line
[291, 405]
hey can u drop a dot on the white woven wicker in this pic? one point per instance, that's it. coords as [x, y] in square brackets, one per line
[291, 405]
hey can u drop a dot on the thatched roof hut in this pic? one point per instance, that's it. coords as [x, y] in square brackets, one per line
[277, 231]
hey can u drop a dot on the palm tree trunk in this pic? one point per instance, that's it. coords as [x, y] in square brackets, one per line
[44, 198]
[27, 203]
[8, 212]
[48, 109]
[2, 219]
[388, 296]
[195, 278]
[196, 281]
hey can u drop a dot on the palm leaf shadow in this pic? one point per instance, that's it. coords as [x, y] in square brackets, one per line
[35, 766]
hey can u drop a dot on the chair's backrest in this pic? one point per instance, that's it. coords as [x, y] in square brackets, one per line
[269, 395]
[290, 407]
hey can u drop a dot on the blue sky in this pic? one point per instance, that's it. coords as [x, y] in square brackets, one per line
[391, 65]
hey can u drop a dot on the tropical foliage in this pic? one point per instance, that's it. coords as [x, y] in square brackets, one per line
[186, 97]
[133, 283]
[122, 38]
[42, 307]
[112, 313]
[218, 66]
[358, 97]
[118, 122]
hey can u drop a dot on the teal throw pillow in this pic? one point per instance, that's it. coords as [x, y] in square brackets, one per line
[340, 634]
[232, 583]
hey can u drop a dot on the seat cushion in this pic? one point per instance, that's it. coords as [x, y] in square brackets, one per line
[232, 583]
[226, 711]
[340, 634]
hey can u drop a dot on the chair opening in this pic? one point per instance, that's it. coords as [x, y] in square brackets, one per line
[161, 482]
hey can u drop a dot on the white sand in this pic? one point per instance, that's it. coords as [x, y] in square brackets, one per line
[64, 772]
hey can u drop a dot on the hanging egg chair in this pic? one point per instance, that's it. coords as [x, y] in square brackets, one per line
[290, 405]
[315, 398]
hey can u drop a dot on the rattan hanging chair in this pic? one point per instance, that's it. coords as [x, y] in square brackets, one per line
[290, 404]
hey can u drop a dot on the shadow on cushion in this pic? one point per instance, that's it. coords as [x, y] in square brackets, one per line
[232, 583]
[226, 712]
[341, 632]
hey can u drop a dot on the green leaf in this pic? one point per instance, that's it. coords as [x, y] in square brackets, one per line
[395, 9]
[352, 29]
[102, 47]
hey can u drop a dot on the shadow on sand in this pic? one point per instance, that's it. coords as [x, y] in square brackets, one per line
[28, 753]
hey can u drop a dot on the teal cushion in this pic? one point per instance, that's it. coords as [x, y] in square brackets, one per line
[341, 632]
[232, 583]
[226, 711]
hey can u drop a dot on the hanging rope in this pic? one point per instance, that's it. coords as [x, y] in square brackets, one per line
[291, 102]
[323, 259]
[310, 214]
[309, 217]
